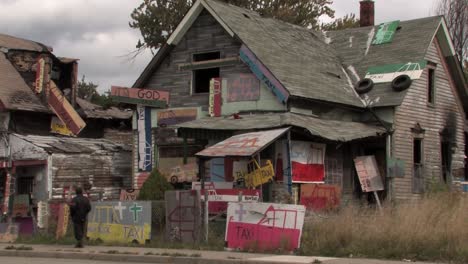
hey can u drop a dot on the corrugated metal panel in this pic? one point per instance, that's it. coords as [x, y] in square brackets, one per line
[243, 145]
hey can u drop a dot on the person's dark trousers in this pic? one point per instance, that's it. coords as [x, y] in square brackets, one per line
[79, 228]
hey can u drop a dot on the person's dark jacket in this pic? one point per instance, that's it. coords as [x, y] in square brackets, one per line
[79, 208]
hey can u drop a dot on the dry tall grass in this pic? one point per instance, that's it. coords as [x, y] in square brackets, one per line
[433, 228]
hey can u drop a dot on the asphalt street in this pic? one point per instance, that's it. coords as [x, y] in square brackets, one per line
[20, 260]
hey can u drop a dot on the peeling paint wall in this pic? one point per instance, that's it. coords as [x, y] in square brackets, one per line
[433, 119]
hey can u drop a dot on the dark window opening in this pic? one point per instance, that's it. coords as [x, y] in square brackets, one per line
[25, 185]
[431, 86]
[207, 56]
[445, 158]
[202, 79]
[418, 167]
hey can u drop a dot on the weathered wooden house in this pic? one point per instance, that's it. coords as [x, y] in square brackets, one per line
[394, 91]
[41, 117]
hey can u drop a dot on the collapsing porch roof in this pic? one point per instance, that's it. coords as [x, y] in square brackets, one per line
[333, 130]
[243, 145]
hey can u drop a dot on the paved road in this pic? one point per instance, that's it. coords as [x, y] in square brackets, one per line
[20, 260]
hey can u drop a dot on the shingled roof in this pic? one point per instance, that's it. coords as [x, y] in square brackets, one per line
[410, 44]
[10, 42]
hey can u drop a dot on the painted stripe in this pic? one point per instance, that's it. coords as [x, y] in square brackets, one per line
[263, 74]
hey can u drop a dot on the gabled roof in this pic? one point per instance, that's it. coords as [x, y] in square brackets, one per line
[410, 44]
[296, 56]
[15, 94]
[10, 42]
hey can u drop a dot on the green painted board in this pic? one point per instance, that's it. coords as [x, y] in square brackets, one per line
[399, 67]
[128, 100]
[386, 32]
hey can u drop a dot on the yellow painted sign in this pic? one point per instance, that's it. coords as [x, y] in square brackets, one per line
[58, 127]
[120, 221]
[259, 176]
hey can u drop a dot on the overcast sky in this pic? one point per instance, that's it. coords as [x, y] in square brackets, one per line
[97, 31]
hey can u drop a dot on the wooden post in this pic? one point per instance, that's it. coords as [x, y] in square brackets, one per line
[378, 200]
[206, 216]
[185, 150]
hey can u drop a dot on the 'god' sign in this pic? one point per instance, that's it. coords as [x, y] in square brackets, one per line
[146, 97]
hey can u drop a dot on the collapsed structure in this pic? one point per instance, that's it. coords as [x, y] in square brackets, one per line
[387, 100]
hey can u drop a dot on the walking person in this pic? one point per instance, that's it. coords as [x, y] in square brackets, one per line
[79, 209]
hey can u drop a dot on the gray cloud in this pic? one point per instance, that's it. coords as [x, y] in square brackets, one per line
[97, 31]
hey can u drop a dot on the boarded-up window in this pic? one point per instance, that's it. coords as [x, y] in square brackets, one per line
[431, 86]
[418, 166]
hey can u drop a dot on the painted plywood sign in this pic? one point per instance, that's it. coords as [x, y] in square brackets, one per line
[129, 194]
[245, 87]
[145, 145]
[64, 110]
[264, 226]
[368, 173]
[215, 99]
[386, 32]
[320, 196]
[58, 127]
[243, 144]
[176, 116]
[263, 74]
[40, 74]
[62, 221]
[219, 198]
[120, 221]
[386, 73]
[148, 97]
[307, 161]
[140, 179]
[183, 216]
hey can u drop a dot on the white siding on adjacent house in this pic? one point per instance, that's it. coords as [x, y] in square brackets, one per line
[415, 109]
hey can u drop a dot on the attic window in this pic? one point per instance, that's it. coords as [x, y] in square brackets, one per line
[202, 77]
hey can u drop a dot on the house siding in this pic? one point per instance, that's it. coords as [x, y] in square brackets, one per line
[433, 119]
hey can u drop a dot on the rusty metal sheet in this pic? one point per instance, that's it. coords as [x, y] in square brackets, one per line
[243, 145]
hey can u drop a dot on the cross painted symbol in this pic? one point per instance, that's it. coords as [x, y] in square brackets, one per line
[135, 209]
[120, 209]
[241, 212]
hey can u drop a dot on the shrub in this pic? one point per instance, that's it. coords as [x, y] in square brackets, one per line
[154, 187]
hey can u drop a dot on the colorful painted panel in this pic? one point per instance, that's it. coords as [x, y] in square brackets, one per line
[20, 205]
[63, 221]
[264, 226]
[217, 170]
[246, 144]
[183, 173]
[129, 195]
[307, 161]
[176, 116]
[214, 109]
[263, 74]
[58, 127]
[138, 96]
[123, 221]
[8, 232]
[219, 198]
[386, 73]
[140, 179]
[368, 173]
[183, 216]
[40, 74]
[64, 110]
[145, 146]
[212, 185]
[318, 197]
[246, 87]
[386, 32]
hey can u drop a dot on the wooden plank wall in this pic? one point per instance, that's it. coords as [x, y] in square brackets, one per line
[204, 36]
[415, 109]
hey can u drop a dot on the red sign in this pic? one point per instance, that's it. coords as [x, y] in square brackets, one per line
[64, 110]
[215, 97]
[320, 196]
[368, 173]
[141, 178]
[218, 199]
[129, 195]
[40, 73]
[246, 87]
[147, 97]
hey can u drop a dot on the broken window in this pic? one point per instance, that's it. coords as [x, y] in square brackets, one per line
[431, 86]
[418, 166]
[202, 77]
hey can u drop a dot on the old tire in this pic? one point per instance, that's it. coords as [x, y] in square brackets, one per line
[174, 179]
[364, 86]
[401, 83]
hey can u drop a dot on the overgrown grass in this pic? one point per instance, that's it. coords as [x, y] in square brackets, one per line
[433, 228]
